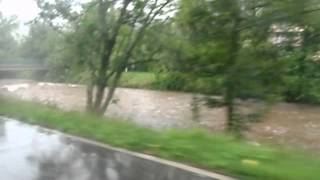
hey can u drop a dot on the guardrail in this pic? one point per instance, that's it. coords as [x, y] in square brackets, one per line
[19, 67]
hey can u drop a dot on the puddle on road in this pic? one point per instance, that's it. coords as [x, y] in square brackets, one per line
[31, 153]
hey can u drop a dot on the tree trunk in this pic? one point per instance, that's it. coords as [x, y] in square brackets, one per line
[301, 75]
[195, 108]
[99, 96]
[106, 49]
[111, 92]
[89, 104]
[232, 122]
[302, 66]
[107, 46]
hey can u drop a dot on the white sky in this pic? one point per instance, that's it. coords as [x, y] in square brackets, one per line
[25, 10]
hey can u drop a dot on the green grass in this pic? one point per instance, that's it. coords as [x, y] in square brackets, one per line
[196, 147]
[141, 80]
[165, 81]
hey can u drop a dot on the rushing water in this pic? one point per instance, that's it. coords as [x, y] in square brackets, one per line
[289, 124]
[149, 108]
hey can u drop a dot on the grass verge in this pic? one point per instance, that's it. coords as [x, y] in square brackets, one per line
[196, 147]
[140, 80]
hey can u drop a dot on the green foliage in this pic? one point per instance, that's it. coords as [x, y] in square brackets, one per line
[194, 47]
[105, 39]
[39, 43]
[8, 43]
[255, 70]
[225, 44]
[196, 147]
[303, 67]
[310, 93]
[173, 81]
[142, 80]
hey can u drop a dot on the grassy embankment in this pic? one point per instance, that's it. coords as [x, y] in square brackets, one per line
[140, 80]
[171, 82]
[213, 85]
[196, 147]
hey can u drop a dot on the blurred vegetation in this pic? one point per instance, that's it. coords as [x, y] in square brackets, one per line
[141, 80]
[8, 43]
[196, 147]
[266, 50]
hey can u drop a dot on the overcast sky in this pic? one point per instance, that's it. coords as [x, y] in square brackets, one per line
[25, 10]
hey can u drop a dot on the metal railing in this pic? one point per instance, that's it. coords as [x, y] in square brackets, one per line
[22, 67]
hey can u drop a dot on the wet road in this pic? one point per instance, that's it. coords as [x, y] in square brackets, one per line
[33, 153]
[295, 125]
[29, 153]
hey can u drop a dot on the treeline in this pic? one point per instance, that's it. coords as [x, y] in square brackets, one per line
[261, 49]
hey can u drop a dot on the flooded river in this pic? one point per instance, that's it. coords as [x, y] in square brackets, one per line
[289, 124]
[148, 108]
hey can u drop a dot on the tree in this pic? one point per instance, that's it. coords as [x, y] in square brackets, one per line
[136, 22]
[112, 30]
[8, 43]
[300, 39]
[40, 43]
[232, 39]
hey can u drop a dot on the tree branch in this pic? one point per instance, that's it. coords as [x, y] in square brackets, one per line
[278, 18]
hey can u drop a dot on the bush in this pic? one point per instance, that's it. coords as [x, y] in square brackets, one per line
[143, 80]
[173, 81]
[304, 91]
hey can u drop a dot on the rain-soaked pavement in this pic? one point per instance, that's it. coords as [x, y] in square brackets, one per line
[287, 124]
[32, 153]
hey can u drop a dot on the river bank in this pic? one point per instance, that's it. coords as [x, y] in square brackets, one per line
[200, 148]
[294, 125]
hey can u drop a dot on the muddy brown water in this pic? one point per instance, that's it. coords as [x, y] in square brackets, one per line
[294, 125]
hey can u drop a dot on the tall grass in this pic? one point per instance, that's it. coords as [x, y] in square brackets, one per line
[196, 147]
